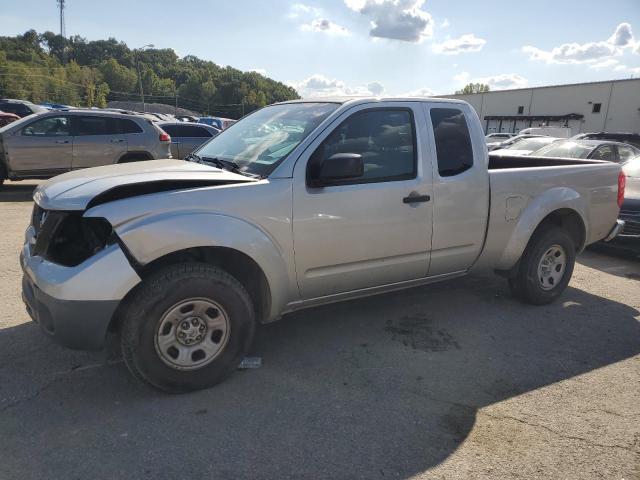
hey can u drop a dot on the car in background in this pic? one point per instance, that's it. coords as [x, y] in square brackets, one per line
[7, 118]
[54, 142]
[506, 143]
[55, 106]
[589, 149]
[558, 132]
[217, 122]
[498, 137]
[187, 136]
[186, 118]
[524, 146]
[622, 137]
[22, 108]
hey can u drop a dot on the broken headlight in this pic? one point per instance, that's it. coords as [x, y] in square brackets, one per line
[68, 238]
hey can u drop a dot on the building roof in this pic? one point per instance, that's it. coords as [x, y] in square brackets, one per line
[541, 87]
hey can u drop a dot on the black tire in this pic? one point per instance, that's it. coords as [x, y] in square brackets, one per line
[526, 285]
[144, 309]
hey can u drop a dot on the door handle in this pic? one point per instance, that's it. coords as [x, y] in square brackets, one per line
[62, 141]
[415, 197]
[117, 140]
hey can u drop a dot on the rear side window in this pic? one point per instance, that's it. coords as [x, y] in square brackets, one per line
[626, 153]
[191, 131]
[129, 126]
[453, 142]
[94, 125]
[186, 131]
[384, 137]
[605, 152]
[17, 108]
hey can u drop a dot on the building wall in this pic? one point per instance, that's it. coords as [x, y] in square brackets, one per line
[619, 111]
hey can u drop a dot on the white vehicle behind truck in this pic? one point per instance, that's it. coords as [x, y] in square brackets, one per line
[299, 204]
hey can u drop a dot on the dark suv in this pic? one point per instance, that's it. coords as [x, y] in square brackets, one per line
[22, 108]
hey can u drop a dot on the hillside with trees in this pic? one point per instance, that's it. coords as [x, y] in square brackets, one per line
[75, 71]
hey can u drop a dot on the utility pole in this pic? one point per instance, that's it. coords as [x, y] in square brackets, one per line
[137, 52]
[61, 6]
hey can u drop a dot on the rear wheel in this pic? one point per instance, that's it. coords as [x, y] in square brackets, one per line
[187, 327]
[545, 268]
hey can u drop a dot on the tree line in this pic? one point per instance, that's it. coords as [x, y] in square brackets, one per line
[74, 71]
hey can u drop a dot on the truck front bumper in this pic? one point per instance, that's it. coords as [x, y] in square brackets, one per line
[75, 305]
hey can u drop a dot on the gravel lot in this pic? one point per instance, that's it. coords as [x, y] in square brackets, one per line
[455, 380]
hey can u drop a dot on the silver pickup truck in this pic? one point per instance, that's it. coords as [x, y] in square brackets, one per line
[299, 204]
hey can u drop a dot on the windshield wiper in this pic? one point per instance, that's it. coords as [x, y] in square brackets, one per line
[192, 157]
[226, 165]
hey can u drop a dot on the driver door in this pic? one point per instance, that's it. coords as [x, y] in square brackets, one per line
[365, 232]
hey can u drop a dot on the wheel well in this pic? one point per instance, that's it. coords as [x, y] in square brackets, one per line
[135, 156]
[570, 221]
[240, 266]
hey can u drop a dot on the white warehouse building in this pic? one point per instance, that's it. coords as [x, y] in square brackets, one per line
[610, 106]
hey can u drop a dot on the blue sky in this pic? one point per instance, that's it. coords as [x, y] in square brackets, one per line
[391, 47]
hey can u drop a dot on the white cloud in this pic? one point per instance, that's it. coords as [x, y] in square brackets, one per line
[461, 78]
[320, 86]
[420, 92]
[466, 43]
[403, 20]
[503, 81]
[325, 26]
[591, 52]
[376, 88]
[445, 23]
[623, 35]
[300, 9]
[625, 68]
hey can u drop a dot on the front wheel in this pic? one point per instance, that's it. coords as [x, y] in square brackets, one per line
[545, 268]
[187, 327]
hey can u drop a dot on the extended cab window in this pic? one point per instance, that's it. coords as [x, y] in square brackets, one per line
[48, 127]
[453, 142]
[384, 137]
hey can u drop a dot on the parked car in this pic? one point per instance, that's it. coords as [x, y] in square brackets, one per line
[54, 142]
[217, 122]
[56, 106]
[498, 137]
[183, 259]
[187, 118]
[22, 108]
[589, 149]
[630, 138]
[524, 146]
[558, 132]
[186, 136]
[506, 143]
[7, 118]
[630, 210]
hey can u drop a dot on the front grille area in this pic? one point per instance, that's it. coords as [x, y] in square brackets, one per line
[631, 222]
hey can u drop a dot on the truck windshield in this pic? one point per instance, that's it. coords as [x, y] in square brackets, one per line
[258, 143]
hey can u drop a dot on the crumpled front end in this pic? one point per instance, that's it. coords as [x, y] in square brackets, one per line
[75, 276]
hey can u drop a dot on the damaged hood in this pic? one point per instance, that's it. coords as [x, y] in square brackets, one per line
[81, 189]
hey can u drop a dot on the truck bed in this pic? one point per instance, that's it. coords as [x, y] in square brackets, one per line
[524, 189]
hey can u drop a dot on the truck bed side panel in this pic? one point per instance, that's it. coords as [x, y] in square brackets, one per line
[522, 197]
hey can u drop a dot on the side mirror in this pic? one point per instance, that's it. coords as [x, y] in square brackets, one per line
[338, 167]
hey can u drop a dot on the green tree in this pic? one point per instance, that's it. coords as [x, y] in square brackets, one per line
[473, 88]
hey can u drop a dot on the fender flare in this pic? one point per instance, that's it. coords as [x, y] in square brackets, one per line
[536, 211]
[150, 238]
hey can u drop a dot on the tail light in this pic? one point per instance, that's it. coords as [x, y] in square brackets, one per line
[164, 137]
[622, 183]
